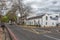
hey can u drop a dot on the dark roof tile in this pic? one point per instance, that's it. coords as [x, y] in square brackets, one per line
[36, 17]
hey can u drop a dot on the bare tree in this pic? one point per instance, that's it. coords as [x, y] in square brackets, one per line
[24, 10]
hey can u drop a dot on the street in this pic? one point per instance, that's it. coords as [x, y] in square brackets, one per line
[29, 19]
[28, 34]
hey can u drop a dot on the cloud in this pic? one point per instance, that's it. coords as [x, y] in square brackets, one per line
[44, 5]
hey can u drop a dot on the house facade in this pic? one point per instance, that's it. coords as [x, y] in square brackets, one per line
[45, 20]
[49, 20]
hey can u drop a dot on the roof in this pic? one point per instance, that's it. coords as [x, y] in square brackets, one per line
[56, 18]
[36, 17]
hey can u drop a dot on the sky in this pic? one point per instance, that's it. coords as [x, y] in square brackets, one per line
[43, 6]
[8, 6]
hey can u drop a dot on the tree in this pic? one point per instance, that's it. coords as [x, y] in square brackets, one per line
[11, 13]
[0, 17]
[4, 19]
[11, 16]
[24, 11]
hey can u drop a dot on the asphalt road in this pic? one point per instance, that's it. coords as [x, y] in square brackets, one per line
[23, 34]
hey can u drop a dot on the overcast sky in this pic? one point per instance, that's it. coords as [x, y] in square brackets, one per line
[40, 6]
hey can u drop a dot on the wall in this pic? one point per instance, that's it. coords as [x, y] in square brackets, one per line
[42, 21]
[50, 22]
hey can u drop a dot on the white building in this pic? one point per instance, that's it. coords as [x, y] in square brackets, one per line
[45, 20]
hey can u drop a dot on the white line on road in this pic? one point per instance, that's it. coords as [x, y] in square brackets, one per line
[32, 30]
[51, 37]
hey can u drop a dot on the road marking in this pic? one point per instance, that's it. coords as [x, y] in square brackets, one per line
[31, 30]
[35, 31]
[51, 37]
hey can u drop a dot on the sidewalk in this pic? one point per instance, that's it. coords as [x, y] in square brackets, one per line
[1, 34]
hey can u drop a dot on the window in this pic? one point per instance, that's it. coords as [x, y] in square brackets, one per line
[46, 23]
[52, 23]
[46, 18]
[57, 16]
[50, 16]
[38, 22]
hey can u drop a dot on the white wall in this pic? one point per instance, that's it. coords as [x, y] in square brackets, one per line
[50, 22]
[59, 20]
[34, 22]
[42, 21]
[29, 22]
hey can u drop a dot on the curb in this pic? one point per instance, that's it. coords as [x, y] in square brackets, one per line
[12, 34]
